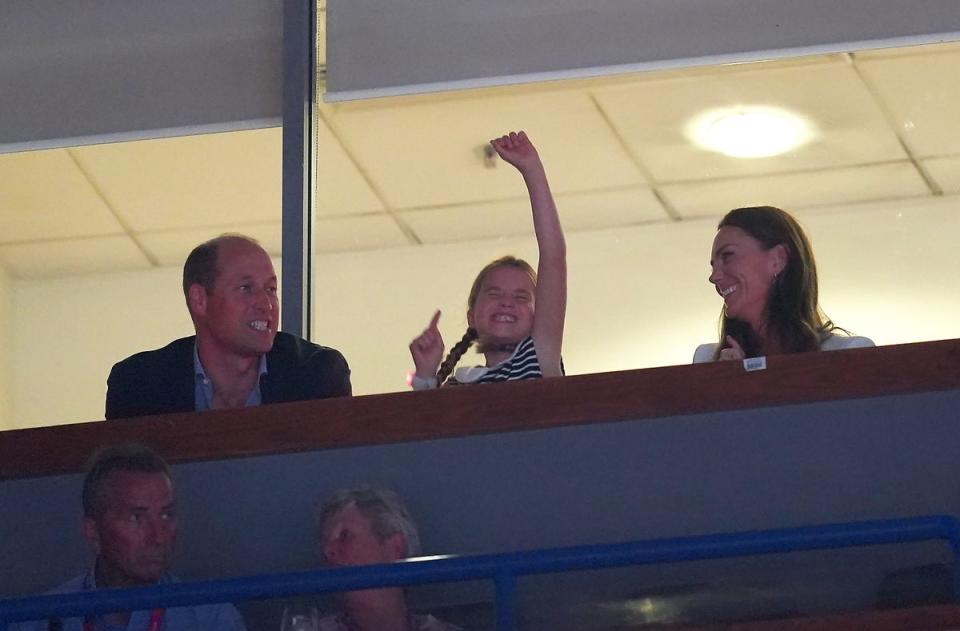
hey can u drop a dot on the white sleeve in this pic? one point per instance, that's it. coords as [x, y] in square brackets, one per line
[419, 383]
[704, 353]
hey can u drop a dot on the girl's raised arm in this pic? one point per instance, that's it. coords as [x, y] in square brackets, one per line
[551, 293]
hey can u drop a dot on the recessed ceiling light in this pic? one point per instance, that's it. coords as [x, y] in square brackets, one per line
[749, 131]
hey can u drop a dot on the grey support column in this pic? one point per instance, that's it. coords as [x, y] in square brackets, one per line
[299, 24]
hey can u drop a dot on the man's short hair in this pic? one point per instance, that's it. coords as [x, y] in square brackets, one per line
[386, 511]
[130, 457]
[201, 267]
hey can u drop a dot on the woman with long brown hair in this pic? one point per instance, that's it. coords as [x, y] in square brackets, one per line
[763, 268]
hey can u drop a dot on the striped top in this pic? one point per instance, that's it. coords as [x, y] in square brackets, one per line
[523, 364]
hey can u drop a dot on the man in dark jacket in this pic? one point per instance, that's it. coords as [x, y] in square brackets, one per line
[237, 357]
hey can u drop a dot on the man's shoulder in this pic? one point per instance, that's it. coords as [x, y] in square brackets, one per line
[287, 347]
[75, 584]
[209, 616]
[298, 369]
[152, 382]
[214, 616]
[174, 351]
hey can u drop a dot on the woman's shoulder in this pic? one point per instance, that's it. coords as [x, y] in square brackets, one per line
[704, 353]
[839, 342]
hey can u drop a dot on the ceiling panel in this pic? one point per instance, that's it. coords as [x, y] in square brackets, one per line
[578, 211]
[189, 181]
[429, 152]
[74, 256]
[171, 247]
[907, 51]
[370, 232]
[423, 159]
[45, 196]
[341, 188]
[794, 190]
[850, 127]
[922, 96]
[945, 172]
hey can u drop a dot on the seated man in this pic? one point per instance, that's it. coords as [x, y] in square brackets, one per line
[130, 523]
[237, 358]
[365, 526]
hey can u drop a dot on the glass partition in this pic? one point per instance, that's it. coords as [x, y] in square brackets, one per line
[92, 244]
[863, 148]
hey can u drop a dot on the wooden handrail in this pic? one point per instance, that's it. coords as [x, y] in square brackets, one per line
[413, 416]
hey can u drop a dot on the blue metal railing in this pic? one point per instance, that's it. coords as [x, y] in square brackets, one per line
[503, 569]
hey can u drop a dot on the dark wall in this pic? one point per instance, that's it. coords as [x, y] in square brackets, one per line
[762, 468]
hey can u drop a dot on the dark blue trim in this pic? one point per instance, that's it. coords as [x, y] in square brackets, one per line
[503, 568]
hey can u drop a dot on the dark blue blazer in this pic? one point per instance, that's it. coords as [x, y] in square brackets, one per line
[162, 381]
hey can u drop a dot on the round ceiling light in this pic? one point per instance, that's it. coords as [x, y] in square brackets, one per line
[750, 131]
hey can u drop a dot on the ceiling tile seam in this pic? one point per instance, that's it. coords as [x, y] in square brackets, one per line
[694, 74]
[6, 267]
[231, 227]
[865, 201]
[524, 199]
[771, 174]
[70, 239]
[630, 223]
[408, 232]
[940, 156]
[891, 121]
[638, 164]
[878, 54]
[152, 260]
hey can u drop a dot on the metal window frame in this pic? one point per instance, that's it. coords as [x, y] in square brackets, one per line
[299, 91]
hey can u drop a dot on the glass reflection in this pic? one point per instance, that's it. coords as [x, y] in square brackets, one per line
[408, 206]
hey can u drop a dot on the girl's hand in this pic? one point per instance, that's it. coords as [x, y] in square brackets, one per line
[427, 349]
[732, 350]
[516, 149]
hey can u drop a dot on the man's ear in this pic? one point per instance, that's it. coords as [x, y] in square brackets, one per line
[91, 533]
[197, 297]
[397, 544]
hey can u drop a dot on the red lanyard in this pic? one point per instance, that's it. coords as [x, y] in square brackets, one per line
[156, 617]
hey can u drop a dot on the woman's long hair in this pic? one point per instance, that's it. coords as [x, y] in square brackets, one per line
[792, 313]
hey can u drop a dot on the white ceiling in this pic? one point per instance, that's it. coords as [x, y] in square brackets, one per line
[410, 171]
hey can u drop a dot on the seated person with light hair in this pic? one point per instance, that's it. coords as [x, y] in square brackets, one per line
[367, 526]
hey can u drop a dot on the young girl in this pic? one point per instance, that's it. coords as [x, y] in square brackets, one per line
[515, 315]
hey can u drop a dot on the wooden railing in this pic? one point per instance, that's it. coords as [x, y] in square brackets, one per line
[414, 416]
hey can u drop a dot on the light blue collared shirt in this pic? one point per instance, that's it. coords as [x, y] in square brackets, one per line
[214, 617]
[203, 387]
